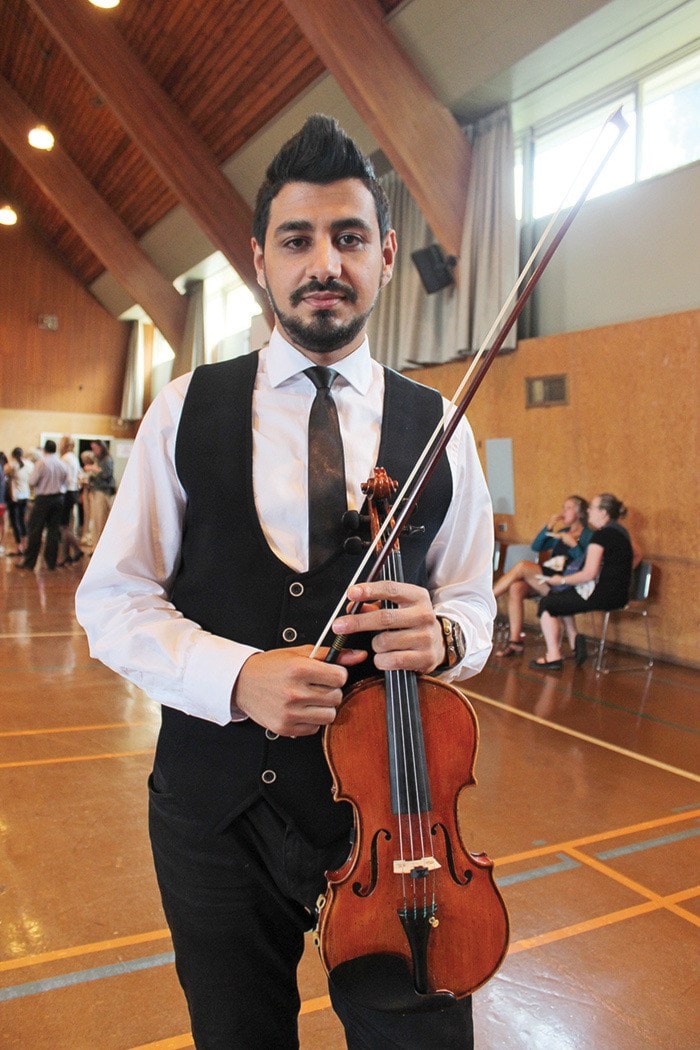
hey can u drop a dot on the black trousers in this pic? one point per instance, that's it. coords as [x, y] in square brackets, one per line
[238, 903]
[46, 514]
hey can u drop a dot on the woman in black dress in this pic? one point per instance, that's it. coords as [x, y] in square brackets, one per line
[606, 576]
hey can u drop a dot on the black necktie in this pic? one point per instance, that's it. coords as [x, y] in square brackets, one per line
[327, 500]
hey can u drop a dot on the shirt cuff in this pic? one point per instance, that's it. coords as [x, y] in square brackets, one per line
[212, 669]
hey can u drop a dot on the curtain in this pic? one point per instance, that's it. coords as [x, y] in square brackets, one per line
[192, 352]
[488, 266]
[132, 396]
[408, 325]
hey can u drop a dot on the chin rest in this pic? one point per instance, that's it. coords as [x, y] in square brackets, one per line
[385, 982]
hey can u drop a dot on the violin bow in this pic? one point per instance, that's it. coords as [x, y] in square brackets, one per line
[413, 488]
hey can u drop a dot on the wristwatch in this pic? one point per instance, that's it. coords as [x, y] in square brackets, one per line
[453, 637]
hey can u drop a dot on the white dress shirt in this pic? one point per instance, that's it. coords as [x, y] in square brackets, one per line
[123, 600]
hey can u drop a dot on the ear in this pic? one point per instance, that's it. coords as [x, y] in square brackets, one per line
[388, 256]
[259, 262]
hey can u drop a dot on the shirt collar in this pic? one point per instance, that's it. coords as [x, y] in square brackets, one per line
[283, 362]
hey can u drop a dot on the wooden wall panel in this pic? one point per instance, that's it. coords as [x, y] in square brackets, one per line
[631, 427]
[79, 367]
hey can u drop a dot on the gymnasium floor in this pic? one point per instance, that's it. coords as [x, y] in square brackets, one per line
[587, 799]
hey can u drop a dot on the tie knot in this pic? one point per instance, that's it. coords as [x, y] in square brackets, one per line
[321, 376]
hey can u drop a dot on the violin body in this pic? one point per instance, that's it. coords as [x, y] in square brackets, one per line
[410, 889]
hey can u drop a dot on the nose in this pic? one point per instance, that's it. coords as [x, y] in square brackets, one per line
[324, 261]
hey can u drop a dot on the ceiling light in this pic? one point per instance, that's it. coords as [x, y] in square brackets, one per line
[8, 215]
[106, 4]
[41, 138]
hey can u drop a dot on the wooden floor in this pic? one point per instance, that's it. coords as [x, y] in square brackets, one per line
[587, 799]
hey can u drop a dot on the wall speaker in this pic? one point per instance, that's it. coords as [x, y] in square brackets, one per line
[434, 268]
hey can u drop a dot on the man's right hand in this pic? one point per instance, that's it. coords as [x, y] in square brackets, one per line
[290, 694]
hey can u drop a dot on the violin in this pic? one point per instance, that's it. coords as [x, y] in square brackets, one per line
[412, 916]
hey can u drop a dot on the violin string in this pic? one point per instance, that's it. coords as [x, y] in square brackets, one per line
[394, 709]
[615, 118]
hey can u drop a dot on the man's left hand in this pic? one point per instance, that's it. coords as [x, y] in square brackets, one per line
[407, 637]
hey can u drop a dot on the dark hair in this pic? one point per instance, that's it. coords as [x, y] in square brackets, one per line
[17, 454]
[49, 445]
[613, 506]
[320, 152]
[103, 448]
[581, 508]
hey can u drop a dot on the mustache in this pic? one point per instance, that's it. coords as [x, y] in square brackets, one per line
[331, 285]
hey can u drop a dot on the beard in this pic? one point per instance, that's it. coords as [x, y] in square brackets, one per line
[324, 334]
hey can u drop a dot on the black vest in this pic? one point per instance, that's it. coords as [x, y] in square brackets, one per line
[232, 584]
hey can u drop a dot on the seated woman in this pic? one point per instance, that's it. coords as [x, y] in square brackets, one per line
[524, 580]
[607, 571]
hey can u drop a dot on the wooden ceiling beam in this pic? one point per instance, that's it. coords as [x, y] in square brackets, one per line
[173, 148]
[111, 241]
[419, 135]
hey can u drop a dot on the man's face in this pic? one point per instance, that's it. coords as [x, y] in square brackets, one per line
[323, 265]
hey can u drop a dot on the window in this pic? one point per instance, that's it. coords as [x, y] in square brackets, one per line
[559, 155]
[229, 307]
[670, 126]
[663, 113]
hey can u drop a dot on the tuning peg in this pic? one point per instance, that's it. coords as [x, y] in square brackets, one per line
[353, 520]
[355, 546]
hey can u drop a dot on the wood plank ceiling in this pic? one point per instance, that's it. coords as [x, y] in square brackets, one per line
[228, 67]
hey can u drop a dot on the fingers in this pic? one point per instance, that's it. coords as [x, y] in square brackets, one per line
[289, 694]
[407, 635]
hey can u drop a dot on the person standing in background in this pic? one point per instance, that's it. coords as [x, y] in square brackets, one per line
[102, 487]
[48, 480]
[19, 471]
[70, 544]
[4, 487]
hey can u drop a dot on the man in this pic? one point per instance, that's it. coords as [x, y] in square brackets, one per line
[205, 593]
[48, 481]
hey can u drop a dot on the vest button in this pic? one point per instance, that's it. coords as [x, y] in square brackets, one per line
[296, 589]
[289, 634]
[270, 735]
[269, 776]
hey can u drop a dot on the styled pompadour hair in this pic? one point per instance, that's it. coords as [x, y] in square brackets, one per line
[320, 152]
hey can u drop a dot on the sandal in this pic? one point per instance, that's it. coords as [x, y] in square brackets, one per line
[546, 665]
[511, 648]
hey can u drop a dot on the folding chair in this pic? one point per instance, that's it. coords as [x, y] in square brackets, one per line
[638, 605]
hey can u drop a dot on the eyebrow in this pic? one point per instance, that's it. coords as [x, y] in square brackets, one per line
[305, 226]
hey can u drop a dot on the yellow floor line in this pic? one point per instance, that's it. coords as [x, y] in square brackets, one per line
[176, 1042]
[74, 758]
[584, 736]
[74, 729]
[83, 949]
[602, 836]
[632, 884]
[43, 634]
[582, 927]
[179, 1042]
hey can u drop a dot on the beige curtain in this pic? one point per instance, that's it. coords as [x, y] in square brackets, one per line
[488, 264]
[132, 396]
[408, 325]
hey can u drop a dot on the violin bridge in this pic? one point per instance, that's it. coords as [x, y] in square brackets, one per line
[417, 868]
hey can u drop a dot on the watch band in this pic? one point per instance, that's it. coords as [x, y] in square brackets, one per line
[453, 638]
